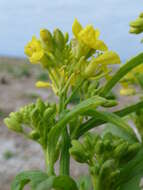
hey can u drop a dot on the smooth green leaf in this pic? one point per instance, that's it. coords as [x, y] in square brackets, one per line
[116, 121]
[95, 122]
[32, 177]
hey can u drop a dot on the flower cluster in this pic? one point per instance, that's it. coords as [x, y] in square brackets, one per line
[85, 57]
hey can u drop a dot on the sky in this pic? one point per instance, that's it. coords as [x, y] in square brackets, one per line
[21, 19]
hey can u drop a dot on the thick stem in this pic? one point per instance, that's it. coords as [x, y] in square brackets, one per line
[49, 167]
[65, 157]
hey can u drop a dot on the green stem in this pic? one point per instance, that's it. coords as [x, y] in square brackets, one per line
[73, 92]
[134, 62]
[65, 157]
[49, 168]
[65, 142]
[94, 122]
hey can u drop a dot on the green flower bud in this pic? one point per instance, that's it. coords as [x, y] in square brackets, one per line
[90, 141]
[34, 135]
[13, 124]
[49, 114]
[110, 103]
[121, 150]
[40, 105]
[59, 39]
[66, 36]
[99, 148]
[35, 117]
[107, 168]
[47, 39]
[136, 30]
[133, 150]
[78, 152]
[137, 23]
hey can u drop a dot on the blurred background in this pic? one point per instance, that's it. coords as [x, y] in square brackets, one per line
[19, 21]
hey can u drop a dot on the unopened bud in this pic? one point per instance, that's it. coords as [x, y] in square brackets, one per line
[34, 135]
[59, 39]
[47, 39]
[12, 124]
[121, 150]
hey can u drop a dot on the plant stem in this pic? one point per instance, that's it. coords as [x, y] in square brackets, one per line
[65, 157]
[49, 168]
[73, 93]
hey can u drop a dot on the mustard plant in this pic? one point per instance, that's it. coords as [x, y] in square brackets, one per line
[83, 66]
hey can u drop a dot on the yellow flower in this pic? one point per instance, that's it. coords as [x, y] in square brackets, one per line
[107, 58]
[34, 50]
[127, 91]
[41, 84]
[89, 36]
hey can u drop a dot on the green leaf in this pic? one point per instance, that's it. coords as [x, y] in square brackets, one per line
[59, 183]
[57, 129]
[46, 184]
[95, 122]
[32, 177]
[122, 126]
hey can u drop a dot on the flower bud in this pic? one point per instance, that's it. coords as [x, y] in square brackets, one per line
[78, 152]
[106, 168]
[13, 124]
[136, 30]
[40, 105]
[121, 150]
[133, 149]
[110, 103]
[99, 148]
[137, 23]
[59, 39]
[66, 36]
[47, 39]
[34, 135]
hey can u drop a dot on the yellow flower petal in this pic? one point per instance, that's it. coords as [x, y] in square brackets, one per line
[76, 28]
[108, 57]
[41, 84]
[34, 50]
[89, 36]
[100, 45]
[36, 57]
[127, 91]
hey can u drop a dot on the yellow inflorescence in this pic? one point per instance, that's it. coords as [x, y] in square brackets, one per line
[34, 50]
[89, 36]
[67, 63]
